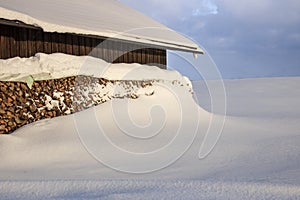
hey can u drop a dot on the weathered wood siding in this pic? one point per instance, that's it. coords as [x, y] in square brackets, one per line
[27, 41]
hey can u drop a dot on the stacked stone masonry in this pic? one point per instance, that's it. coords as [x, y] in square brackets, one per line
[21, 105]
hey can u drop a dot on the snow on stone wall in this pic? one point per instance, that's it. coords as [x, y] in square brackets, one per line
[50, 85]
[21, 105]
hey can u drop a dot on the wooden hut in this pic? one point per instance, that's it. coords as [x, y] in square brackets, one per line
[105, 29]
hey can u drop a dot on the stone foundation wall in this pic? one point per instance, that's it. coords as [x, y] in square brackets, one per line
[21, 105]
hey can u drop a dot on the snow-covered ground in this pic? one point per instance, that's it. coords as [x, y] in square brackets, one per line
[257, 156]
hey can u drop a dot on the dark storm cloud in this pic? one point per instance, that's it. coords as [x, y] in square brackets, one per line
[246, 38]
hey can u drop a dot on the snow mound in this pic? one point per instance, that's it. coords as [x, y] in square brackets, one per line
[257, 157]
[58, 65]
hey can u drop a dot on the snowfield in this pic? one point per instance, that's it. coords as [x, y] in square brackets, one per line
[147, 147]
[257, 156]
[141, 189]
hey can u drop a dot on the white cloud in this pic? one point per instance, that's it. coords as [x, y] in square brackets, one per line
[206, 7]
[264, 11]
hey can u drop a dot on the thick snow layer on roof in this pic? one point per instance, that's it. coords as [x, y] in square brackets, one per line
[107, 18]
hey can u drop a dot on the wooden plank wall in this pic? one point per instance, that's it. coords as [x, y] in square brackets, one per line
[26, 42]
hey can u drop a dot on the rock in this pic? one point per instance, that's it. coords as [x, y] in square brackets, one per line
[49, 114]
[14, 97]
[11, 109]
[24, 87]
[43, 112]
[9, 114]
[2, 127]
[18, 120]
[3, 130]
[23, 116]
[9, 104]
[40, 105]
[21, 100]
[149, 93]
[11, 124]
[37, 115]
[134, 96]
[9, 99]
[32, 108]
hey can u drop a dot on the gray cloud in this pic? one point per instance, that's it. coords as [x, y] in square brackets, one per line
[246, 38]
[264, 11]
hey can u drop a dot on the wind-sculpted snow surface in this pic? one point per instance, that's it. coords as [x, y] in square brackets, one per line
[257, 157]
[141, 189]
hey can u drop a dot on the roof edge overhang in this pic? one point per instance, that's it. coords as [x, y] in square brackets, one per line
[14, 18]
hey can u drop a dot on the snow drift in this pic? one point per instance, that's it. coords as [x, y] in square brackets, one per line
[57, 65]
[60, 84]
[257, 156]
[85, 155]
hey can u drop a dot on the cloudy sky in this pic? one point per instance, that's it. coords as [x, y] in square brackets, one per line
[246, 38]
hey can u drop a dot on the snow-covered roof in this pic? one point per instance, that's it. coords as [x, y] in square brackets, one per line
[108, 18]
